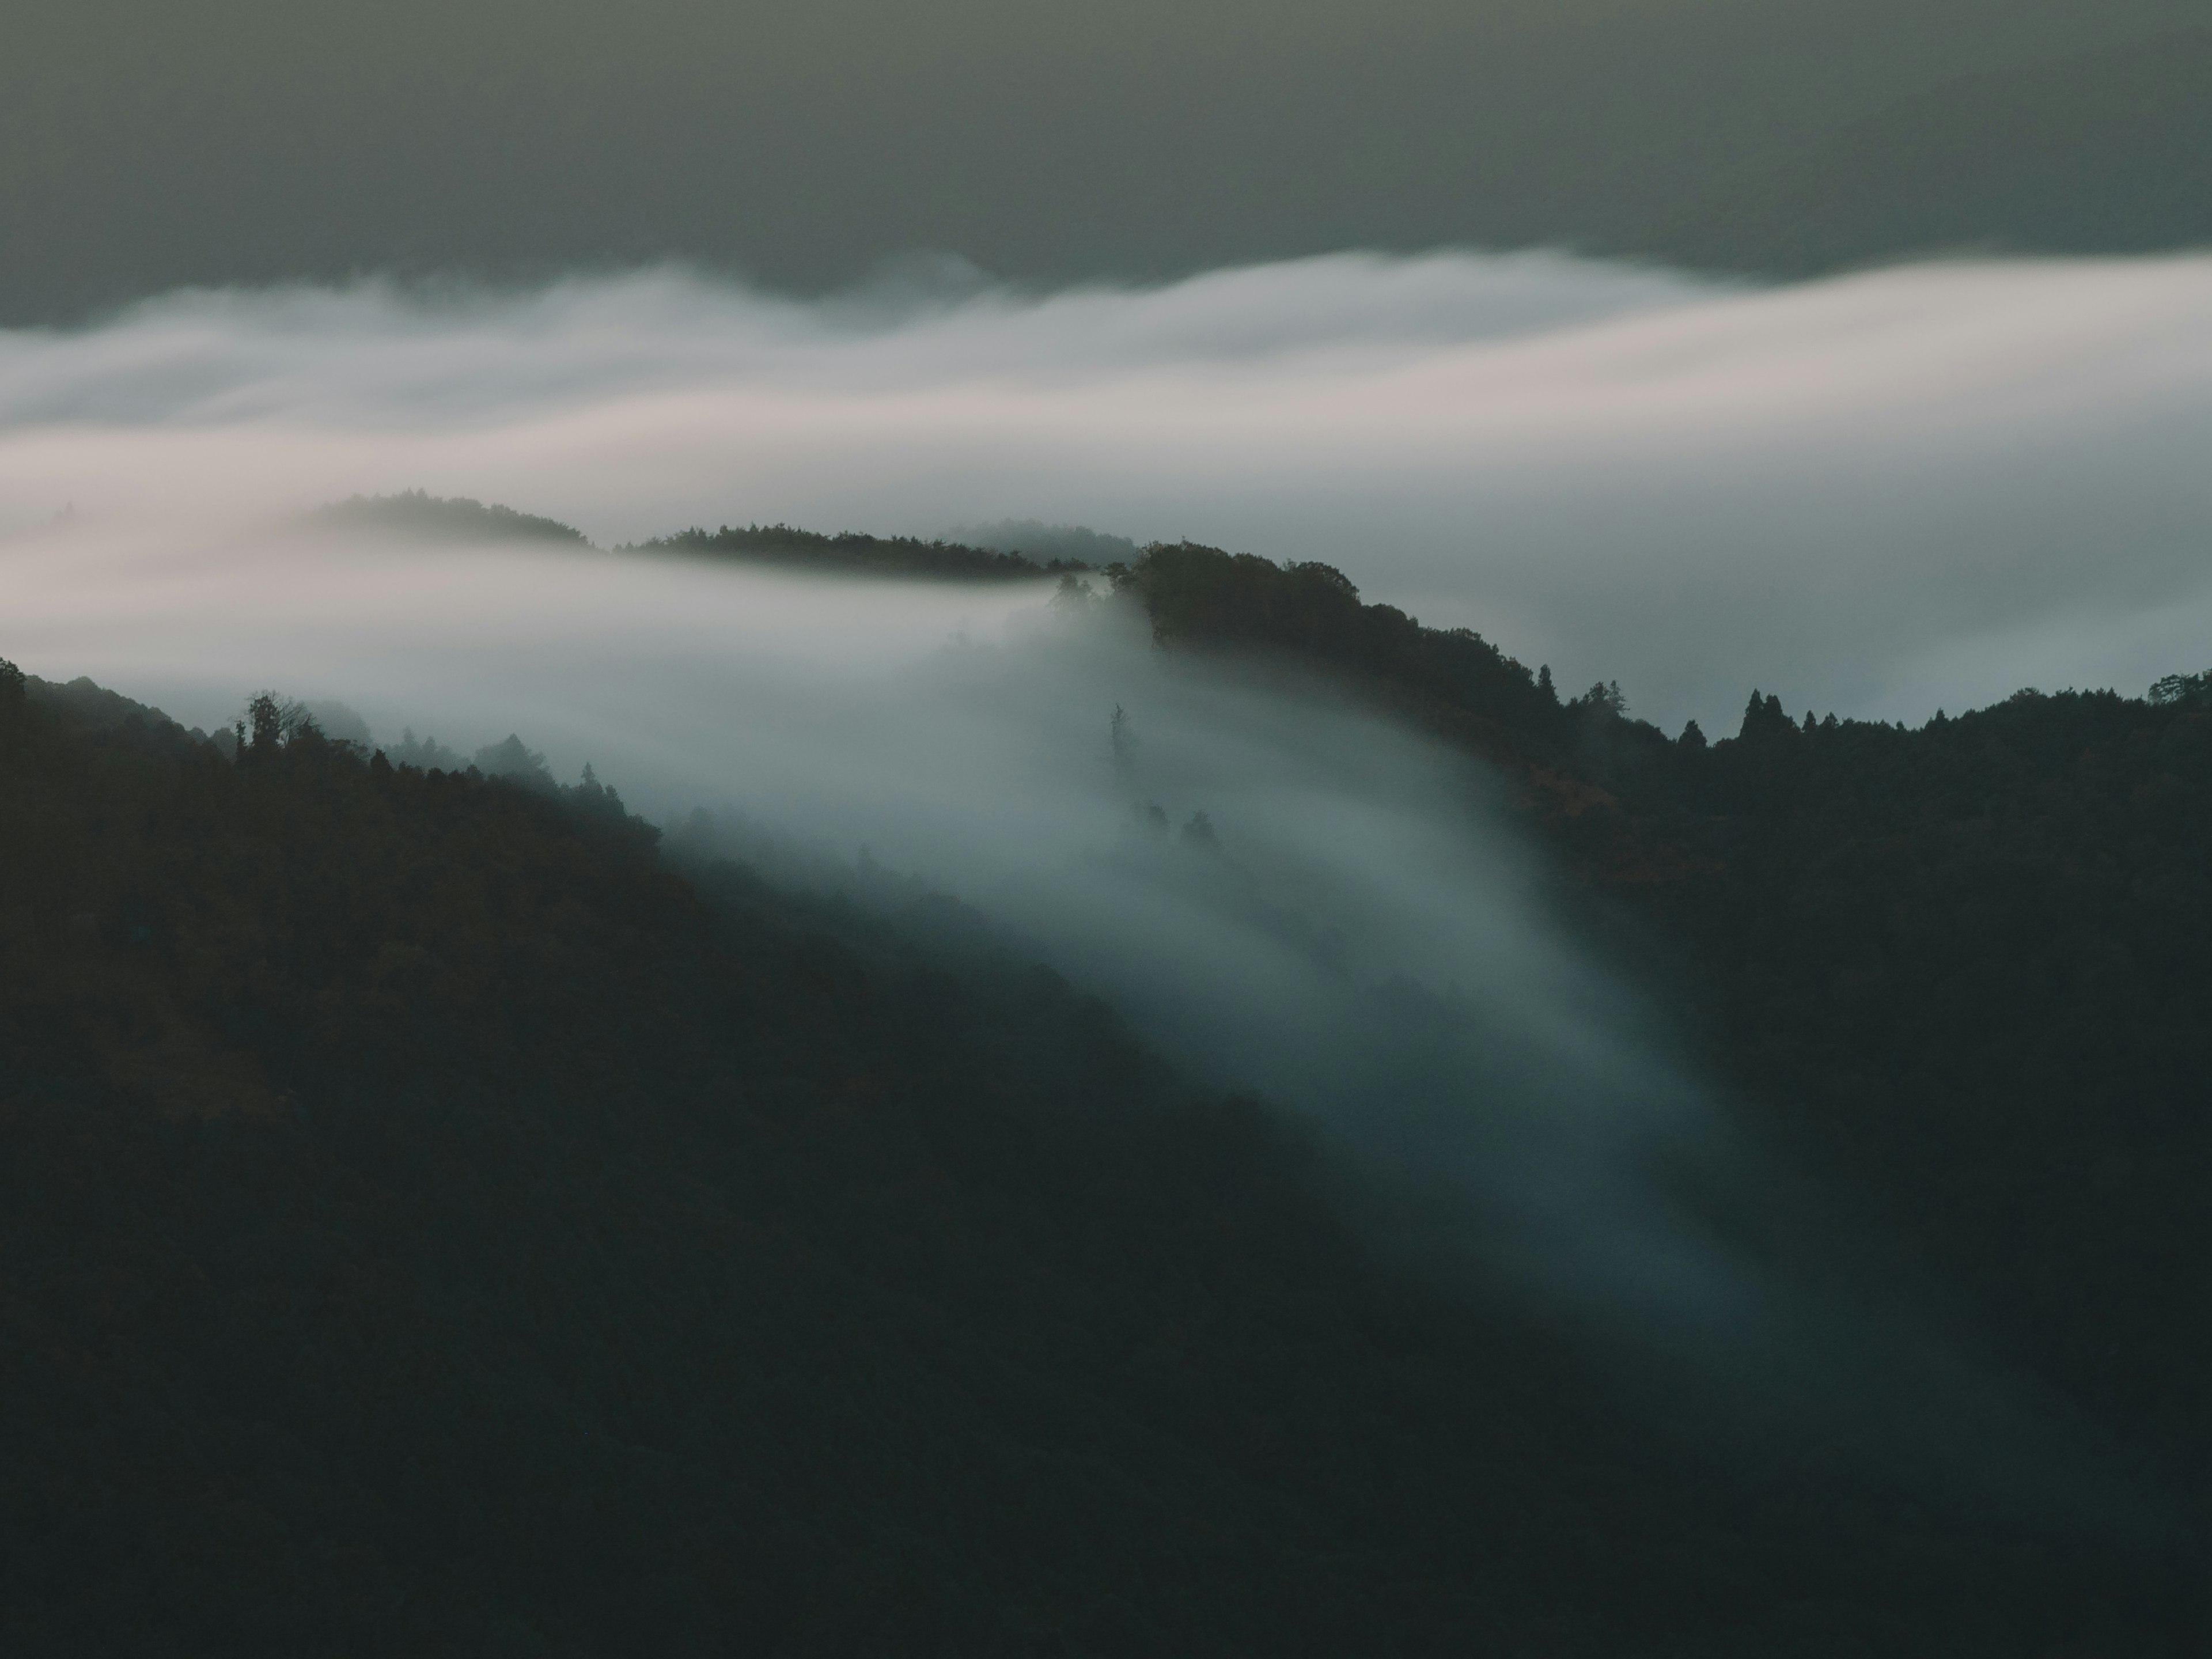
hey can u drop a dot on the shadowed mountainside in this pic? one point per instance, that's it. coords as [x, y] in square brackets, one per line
[1961, 969]
[438, 1220]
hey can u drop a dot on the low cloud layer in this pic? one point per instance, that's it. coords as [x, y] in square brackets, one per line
[1881, 494]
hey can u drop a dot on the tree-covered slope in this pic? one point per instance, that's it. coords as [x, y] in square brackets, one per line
[417, 514]
[1967, 968]
[431, 1222]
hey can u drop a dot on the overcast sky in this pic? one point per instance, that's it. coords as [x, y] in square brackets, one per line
[145, 144]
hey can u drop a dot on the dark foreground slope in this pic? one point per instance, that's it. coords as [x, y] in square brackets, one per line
[1964, 972]
[429, 1225]
[1968, 969]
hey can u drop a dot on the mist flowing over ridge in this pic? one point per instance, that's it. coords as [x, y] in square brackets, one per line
[1281, 892]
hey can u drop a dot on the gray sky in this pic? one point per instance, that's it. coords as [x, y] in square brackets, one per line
[149, 143]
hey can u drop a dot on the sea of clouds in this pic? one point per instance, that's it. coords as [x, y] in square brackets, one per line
[1878, 494]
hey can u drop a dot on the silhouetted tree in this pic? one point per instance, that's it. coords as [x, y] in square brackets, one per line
[512, 759]
[2182, 691]
[1122, 744]
[1764, 721]
[269, 723]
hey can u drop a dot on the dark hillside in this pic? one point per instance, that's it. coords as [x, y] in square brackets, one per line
[430, 1225]
[1202, 596]
[1568, 758]
[1965, 969]
[1971, 965]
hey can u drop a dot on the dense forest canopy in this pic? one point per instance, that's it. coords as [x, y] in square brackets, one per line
[445, 1212]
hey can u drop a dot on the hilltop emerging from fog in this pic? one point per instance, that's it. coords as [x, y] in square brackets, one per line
[416, 515]
[853, 553]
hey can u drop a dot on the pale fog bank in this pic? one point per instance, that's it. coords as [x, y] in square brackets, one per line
[1878, 494]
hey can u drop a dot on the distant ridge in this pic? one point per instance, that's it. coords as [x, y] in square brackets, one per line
[456, 518]
[859, 554]
[1039, 540]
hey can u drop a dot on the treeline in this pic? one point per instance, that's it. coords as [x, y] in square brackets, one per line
[1201, 596]
[413, 513]
[1568, 756]
[850, 552]
[1967, 966]
[435, 1223]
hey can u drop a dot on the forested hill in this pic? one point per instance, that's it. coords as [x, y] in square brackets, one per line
[1567, 756]
[436, 1220]
[414, 514]
[1966, 969]
[851, 553]
[417, 514]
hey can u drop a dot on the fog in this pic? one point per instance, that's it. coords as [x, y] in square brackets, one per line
[1881, 494]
